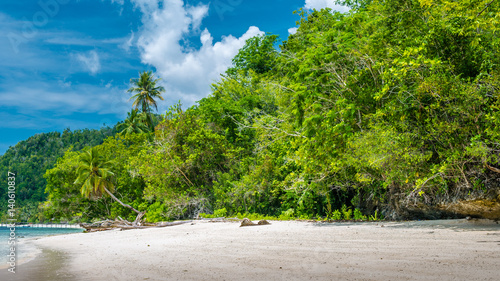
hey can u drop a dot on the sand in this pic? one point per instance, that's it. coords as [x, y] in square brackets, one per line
[430, 250]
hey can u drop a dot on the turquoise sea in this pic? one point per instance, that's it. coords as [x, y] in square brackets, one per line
[24, 251]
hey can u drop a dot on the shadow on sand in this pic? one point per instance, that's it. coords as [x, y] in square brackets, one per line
[456, 224]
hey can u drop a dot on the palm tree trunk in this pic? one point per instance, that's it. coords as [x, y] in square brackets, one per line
[139, 214]
[150, 121]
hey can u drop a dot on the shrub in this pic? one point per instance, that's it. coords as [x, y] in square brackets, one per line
[346, 212]
[358, 215]
[286, 215]
[336, 215]
[376, 216]
[220, 213]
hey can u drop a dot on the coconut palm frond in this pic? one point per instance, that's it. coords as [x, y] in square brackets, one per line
[146, 93]
[95, 174]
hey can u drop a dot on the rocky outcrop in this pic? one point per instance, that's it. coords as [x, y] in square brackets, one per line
[485, 209]
[478, 208]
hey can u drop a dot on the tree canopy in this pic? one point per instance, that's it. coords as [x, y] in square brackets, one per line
[391, 108]
[30, 159]
[146, 91]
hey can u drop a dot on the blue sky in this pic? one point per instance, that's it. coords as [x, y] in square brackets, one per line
[68, 63]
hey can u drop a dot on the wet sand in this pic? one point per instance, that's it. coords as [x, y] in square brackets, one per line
[48, 265]
[429, 250]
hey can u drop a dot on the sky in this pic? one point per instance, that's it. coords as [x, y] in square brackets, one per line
[68, 63]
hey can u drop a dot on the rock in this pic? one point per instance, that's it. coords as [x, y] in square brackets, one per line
[483, 209]
[246, 222]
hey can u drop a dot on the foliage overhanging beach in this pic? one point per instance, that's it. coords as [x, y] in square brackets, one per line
[389, 110]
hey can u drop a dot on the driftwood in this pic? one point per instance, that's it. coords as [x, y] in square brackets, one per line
[138, 218]
[122, 224]
[124, 221]
[163, 224]
[219, 219]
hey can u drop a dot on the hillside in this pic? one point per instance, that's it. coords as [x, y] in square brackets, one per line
[30, 159]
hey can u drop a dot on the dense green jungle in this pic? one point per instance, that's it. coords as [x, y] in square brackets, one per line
[388, 111]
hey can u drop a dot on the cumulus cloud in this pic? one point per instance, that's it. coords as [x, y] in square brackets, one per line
[90, 61]
[187, 72]
[292, 30]
[320, 4]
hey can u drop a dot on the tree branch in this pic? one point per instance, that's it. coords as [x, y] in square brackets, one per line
[121, 203]
[492, 168]
[486, 7]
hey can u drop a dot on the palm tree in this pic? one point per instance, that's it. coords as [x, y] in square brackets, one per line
[146, 91]
[134, 124]
[94, 173]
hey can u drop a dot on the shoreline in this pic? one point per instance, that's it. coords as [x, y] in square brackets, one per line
[284, 250]
[29, 253]
[26, 250]
[46, 265]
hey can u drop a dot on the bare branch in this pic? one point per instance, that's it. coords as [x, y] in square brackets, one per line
[492, 168]
[485, 7]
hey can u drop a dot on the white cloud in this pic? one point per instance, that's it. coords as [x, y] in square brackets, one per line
[63, 98]
[320, 4]
[90, 61]
[47, 97]
[146, 6]
[41, 122]
[65, 38]
[187, 73]
[292, 30]
[128, 43]
[197, 14]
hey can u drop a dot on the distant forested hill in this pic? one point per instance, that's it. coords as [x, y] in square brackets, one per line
[30, 159]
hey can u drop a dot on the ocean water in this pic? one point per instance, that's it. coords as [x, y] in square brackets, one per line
[24, 251]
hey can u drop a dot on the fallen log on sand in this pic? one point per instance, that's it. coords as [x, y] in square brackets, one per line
[125, 225]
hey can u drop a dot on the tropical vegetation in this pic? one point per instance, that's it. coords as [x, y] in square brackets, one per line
[96, 178]
[389, 110]
[146, 92]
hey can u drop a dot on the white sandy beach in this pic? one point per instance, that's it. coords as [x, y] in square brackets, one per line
[431, 250]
